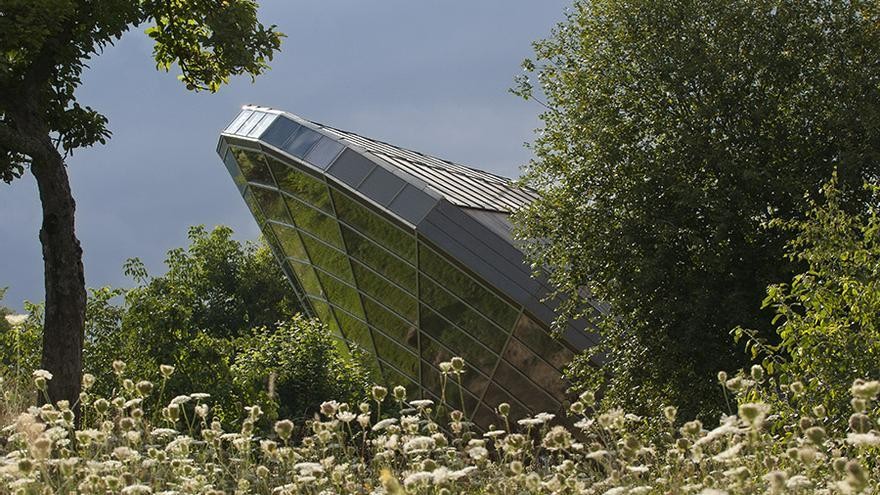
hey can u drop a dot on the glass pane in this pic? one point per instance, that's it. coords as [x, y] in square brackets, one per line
[434, 354]
[271, 203]
[314, 222]
[394, 297]
[544, 375]
[432, 380]
[539, 340]
[393, 378]
[322, 309]
[374, 226]
[380, 260]
[279, 131]
[355, 331]
[232, 167]
[253, 166]
[328, 259]
[466, 288]
[302, 142]
[323, 154]
[341, 295]
[399, 357]
[249, 124]
[239, 119]
[457, 312]
[524, 390]
[262, 126]
[457, 341]
[307, 278]
[495, 396]
[251, 202]
[394, 326]
[289, 240]
[302, 185]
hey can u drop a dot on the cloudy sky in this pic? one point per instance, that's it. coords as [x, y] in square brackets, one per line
[427, 75]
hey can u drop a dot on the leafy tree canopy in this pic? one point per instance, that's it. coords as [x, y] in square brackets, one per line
[674, 131]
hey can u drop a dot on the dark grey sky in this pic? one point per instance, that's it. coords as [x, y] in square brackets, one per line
[428, 75]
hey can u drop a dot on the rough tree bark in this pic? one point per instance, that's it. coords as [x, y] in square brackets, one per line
[64, 323]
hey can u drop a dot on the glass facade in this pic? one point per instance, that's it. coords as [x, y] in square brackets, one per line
[382, 287]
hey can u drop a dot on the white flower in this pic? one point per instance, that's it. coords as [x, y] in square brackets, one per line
[418, 478]
[863, 439]
[798, 482]
[418, 444]
[200, 396]
[385, 423]
[181, 399]
[346, 416]
[422, 403]
[494, 433]
[42, 374]
[308, 468]
[137, 490]
[478, 452]
[16, 320]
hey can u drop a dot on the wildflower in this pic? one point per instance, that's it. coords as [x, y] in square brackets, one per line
[865, 390]
[422, 403]
[40, 379]
[399, 393]
[181, 399]
[478, 453]
[816, 435]
[144, 387]
[420, 478]
[379, 393]
[504, 409]
[329, 408]
[457, 364]
[863, 439]
[308, 468]
[166, 370]
[558, 438]
[118, 367]
[797, 388]
[516, 467]
[137, 489]
[859, 423]
[345, 416]
[16, 320]
[445, 367]
[798, 482]
[757, 372]
[577, 407]
[363, 420]
[88, 380]
[494, 433]
[202, 410]
[101, 405]
[753, 413]
[262, 472]
[776, 480]
[385, 423]
[670, 412]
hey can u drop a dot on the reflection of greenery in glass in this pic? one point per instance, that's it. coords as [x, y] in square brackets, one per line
[495, 396]
[252, 165]
[431, 377]
[457, 312]
[393, 378]
[393, 326]
[331, 260]
[289, 240]
[341, 295]
[251, 202]
[456, 340]
[435, 354]
[380, 260]
[311, 220]
[522, 389]
[539, 340]
[404, 360]
[307, 278]
[542, 374]
[355, 330]
[301, 185]
[392, 296]
[374, 226]
[271, 203]
[460, 284]
[322, 309]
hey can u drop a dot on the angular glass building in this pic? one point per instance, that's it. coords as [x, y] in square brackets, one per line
[406, 256]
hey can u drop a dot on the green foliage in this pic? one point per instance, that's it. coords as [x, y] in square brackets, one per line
[213, 296]
[673, 132]
[827, 316]
[302, 359]
[46, 44]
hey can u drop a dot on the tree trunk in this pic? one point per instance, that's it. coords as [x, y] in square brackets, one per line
[63, 330]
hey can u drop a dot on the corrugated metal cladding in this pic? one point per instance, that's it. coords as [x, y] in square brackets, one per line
[406, 256]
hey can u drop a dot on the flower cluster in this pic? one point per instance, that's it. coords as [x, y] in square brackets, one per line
[118, 447]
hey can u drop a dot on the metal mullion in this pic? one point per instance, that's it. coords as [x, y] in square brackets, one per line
[504, 298]
[500, 357]
[354, 278]
[474, 368]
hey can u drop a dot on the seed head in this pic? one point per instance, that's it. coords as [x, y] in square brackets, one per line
[379, 393]
[166, 370]
[399, 392]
